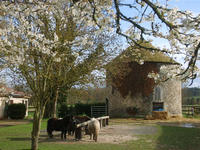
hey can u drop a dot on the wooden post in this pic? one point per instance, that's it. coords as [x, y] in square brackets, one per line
[107, 107]
[104, 122]
[107, 121]
[100, 121]
[91, 111]
[192, 111]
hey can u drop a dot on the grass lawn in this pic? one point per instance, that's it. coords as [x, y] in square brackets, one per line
[167, 138]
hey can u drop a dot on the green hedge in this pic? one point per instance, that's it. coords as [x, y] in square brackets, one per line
[16, 111]
[77, 109]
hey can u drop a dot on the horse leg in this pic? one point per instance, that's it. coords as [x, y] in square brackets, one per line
[94, 136]
[90, 136]
[62, 135]
[50, 134]
[68, 131]
[65, 132]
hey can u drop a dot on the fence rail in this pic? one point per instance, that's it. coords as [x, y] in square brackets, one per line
[102, 120]
[78, 132]
[31, 108]
[191, 109]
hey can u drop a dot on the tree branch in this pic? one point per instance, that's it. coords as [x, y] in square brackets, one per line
[158, 13]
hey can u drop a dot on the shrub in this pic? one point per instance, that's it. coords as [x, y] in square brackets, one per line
[83, 109]
[132, 110]
[64, 110]
[86, 108]
[16, 111]
[77, 109]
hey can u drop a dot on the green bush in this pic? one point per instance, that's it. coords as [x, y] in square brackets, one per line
[64, 110]
[132, 110]
[77, 109]
[83, 109]
[16, 111]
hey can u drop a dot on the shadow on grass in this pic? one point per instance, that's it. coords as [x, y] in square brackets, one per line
[178, 138]
[56, 138]
[43, 138]
[5, 125]
[19, 139]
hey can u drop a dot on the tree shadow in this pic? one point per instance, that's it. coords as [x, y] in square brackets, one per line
[56, 138]
[180, 124]
[43, 139]
[5, 125]
[178, 138]
[19, 139]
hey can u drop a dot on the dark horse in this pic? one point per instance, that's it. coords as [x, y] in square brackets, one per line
[78, 131]
[63, 125]
[77, 119]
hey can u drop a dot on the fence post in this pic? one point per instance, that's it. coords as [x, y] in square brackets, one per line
[107, 121]
[107, 107]
[193, 111]
[91, 111]
[104, 122]
[100, 123]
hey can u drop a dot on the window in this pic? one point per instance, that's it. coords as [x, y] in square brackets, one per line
[158, 106]
[157, 94]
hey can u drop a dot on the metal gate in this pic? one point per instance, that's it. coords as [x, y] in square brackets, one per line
[101, 110]
[98, 111]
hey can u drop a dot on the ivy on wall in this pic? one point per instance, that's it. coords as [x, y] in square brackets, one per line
[131, 77]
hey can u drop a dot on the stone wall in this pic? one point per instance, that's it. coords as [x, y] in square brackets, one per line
[2, 106]
[118, 105]
[171, 96]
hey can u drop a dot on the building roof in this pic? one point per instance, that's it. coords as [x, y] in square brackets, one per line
[136, 54]
[6, 91]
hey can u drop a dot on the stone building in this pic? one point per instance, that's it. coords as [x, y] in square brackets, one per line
[133, 92]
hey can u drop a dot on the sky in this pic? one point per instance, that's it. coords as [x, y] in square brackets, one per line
[192, 5]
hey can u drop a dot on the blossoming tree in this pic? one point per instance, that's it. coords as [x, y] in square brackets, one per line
[51, 48]
[151, 20]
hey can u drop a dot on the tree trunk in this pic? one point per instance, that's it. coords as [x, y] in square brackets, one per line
[36, 127]
[55, 104]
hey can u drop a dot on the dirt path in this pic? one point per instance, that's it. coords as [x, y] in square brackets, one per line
[122, 130]
[110, 134]
[6, 123]
[121, 133]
